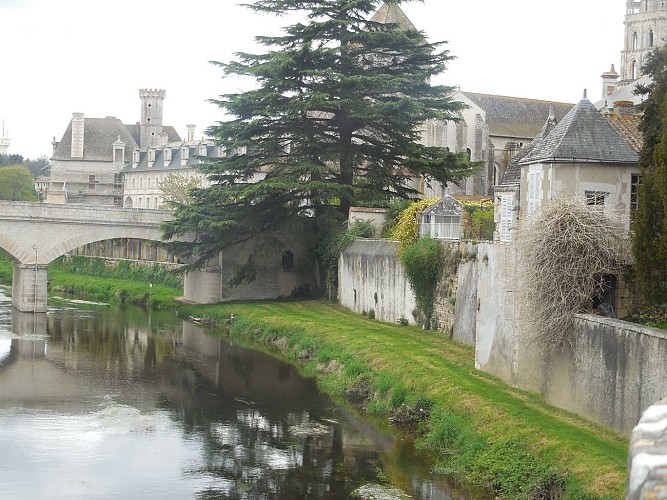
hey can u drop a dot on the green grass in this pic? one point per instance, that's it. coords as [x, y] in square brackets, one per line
[479, 425]
[497, 438]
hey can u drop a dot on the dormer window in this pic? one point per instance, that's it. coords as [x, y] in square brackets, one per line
[119, 155]
[135, 158]
[151, 157]
[185, 153]
[202, 150]
[167, 155]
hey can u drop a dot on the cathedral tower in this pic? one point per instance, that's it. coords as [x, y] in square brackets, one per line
[151, 116]
[645, 28]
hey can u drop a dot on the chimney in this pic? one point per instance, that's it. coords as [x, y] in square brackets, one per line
[609, 82]
[191, 132]
[77, 135]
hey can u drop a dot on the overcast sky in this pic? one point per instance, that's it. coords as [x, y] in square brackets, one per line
[93, 56]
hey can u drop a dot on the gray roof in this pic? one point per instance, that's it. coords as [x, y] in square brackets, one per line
[582, 135]
[513, 172]
[99, 134]
[175, 164]
[172, 135]
[625, 93]
[516, 117]
[390, 13]
[446, 206]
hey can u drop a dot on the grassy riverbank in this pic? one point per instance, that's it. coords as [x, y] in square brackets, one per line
[475, 427]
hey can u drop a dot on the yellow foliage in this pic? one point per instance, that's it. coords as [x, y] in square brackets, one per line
[406, 229]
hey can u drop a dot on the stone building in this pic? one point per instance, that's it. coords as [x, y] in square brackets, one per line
[585, 154]
[645, 29]
[88, 160]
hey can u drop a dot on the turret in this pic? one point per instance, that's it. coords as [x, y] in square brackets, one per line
[151, 116]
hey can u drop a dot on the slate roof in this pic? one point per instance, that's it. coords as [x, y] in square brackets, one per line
[175, 164]
[172, 135]
[446, 206]
[583, 135]
[513, 172]
[390, 13]
[99, 134]
[516, 117]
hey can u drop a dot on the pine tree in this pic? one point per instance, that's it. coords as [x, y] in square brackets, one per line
[650, 222]
[332, 122]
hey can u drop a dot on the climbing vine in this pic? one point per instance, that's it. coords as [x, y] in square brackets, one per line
[406, 229]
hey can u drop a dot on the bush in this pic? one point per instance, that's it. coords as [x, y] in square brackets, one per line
[423, 263]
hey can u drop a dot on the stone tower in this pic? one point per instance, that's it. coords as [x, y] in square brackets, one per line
[4, 141]
[645, 29]
[151, 116]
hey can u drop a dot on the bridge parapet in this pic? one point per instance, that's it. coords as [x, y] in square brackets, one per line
[35, 234]
[80, 213]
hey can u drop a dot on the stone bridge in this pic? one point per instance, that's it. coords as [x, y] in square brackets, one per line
[34, 234]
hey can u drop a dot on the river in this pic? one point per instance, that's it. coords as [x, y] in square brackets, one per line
[104, 403]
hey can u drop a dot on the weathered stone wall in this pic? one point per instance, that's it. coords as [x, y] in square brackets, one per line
[272, 279]
[370, 276]
[610, 372]
[647, 459]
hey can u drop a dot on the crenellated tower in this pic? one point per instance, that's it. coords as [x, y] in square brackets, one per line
[151, 116]
[645, 29]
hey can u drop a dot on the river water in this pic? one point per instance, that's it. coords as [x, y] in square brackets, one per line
[105, 403]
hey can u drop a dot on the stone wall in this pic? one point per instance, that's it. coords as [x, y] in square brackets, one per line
[273, 279]
[370, 276]
[610, 372]
[647, 460]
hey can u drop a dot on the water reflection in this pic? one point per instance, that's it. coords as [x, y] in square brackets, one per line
[97, 402]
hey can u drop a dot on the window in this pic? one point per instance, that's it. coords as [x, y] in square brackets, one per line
[288, 260]
[151, 155]
[91, 182]
[635, 39]
[118, 155]
[634, 191]
[185, 153]
[117, 181]
[596, 198]
[633, 70]
[650, 38]
[534, 191]
[167, 155]
[505, 218]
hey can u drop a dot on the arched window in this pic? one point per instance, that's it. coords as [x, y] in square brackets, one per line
[635, 40]
[288, 260]
[633, 70]
[469, 153]
[650, 38]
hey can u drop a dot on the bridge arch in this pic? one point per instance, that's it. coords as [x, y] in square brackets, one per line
[9, 246]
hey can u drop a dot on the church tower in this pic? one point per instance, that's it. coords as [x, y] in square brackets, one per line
[151, 116]
[645, 28]
[4, 141]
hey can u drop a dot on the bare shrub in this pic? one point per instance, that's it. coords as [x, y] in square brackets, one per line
[564, 249]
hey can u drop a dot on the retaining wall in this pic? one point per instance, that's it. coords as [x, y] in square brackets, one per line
[611, 372]
[370, 276]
